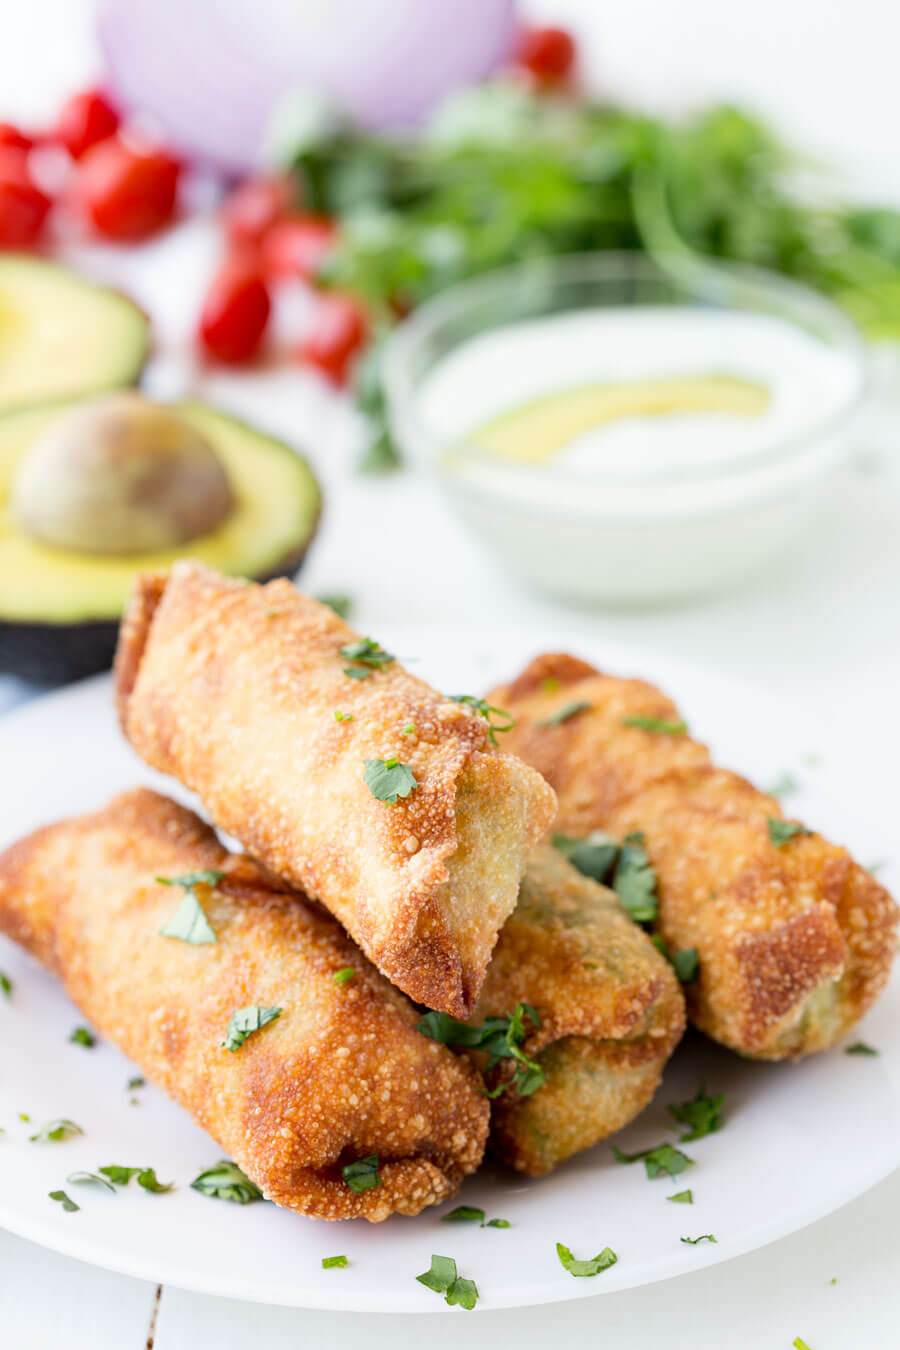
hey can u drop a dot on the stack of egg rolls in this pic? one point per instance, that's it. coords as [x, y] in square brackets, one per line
[269, 707]
[795, 939]
[340, 1075]
[610, 1014]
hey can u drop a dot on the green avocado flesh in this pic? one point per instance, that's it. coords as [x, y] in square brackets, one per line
[540, 429]
[274, 518]
[62, 336]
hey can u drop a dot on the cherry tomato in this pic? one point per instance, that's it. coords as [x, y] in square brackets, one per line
[11, 138]
[339, 330]
[296, 246]
[84, 120]
[23, 207]
[127, 192]
[253, 208]
[235, 313]
[548, 53]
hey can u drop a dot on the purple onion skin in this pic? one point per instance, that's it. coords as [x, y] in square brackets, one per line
[207, 74]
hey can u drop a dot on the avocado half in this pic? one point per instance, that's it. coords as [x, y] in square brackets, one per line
[60, 610]
[62, 336]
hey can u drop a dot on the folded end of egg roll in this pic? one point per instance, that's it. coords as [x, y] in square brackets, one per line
[340, 1075]
[233, 688]
[611, 1013]
[795, 941]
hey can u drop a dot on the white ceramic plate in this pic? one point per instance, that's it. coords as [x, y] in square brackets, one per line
[799, 1140]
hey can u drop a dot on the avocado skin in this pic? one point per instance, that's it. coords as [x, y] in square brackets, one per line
[58, 653]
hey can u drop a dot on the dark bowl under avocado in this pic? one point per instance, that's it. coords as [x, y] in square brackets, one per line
[60, 610]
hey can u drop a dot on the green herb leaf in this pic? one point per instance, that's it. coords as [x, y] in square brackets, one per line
[85, 1178]
[464, 1214]
[686, 964]
[783, 786]
[388, 779]
[363, 1174]
[702, 1115]
[55, 1130]
[189, 923]
[203, 877]
[441, 1275]
[81, 1036]
[634, 880]
[662, 1161]
[488, 712]
[334, 1262]
[462, 1293]
[595, 855]
[602, 1261]
[68, 1205]
[682, 1198]
[799, 1344]
[147, 1179]
[564, 712]
[342, 716]
[860, 1048]
[497, 1223]
[500, 1037]
[704, 1237]
[226, 1181]
[344, 975]
[780, 831]
[665, 726]
[6, 984]
[245, 1021]
[134, 1083]
[341, 604]
[119, 1176]
[366, 656]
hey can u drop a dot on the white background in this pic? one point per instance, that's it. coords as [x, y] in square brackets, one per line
[821, 630]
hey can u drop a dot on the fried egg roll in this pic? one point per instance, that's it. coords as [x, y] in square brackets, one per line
[610, 1007]
[795, 939]
[339, 1075]
[386, 801]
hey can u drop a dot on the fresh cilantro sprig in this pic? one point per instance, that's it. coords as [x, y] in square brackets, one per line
[625, 867]
[364, 655]
[497, 718]
[702, 1115]
[388, 779]
[500, 1037]
[662, 1161]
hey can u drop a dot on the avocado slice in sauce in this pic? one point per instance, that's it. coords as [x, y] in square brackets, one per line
[60, 607]
[62, 335]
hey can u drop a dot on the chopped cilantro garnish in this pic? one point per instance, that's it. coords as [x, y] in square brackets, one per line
[6, 984]
[344, 975]
[701, 1115]
[594, 855]
[363, 1174]
[245, 1021]
[799, 1344]
[704, 1237]
[136, 1083]
[686, 964]
[68, 1205]
[443, 1279]
[341, 604]
[81, 1036]
[471, 1214]
[365, 656]
[189, 922]
[334, 1262]
[226, 1181]
[549, 684]
[783, 786]
[409, 729]
[682, 1198]
[780, 831]
[88, 1178]
[662, 1161]
[564, 712]
[593, 1266]
[500, 1037]
[388, 779]
[342, 716]
[626, 868]
[488, 712]
[55, 1130]
[860, 1048]
[120, 1176]
[665, 726]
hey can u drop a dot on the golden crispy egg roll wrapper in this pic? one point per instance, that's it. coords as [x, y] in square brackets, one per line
[611, 1013]
[795, 941]
[233, 688]
[340, 1075]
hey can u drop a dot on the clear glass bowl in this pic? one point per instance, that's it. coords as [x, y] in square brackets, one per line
[619, 532]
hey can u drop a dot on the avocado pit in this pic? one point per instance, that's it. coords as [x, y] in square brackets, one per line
[121, 475]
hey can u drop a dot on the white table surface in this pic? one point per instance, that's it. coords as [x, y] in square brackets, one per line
[822, 629]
